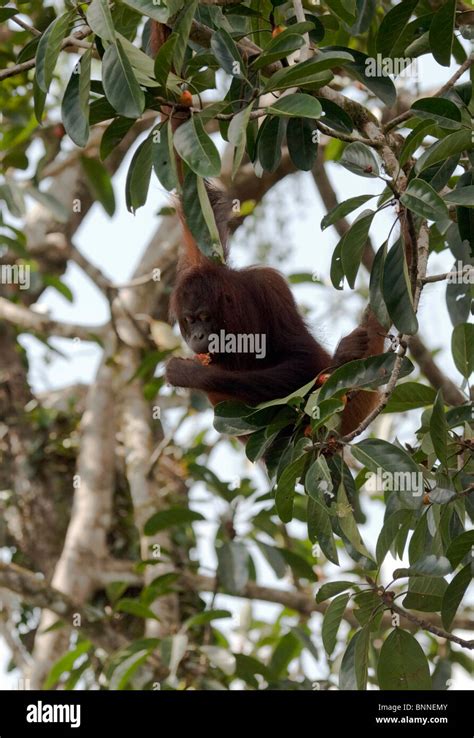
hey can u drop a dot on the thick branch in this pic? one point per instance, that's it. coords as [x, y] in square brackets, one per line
[86, 539]
[24, 318]
[36, 592]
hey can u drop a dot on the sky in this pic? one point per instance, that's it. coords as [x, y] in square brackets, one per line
[115, 244]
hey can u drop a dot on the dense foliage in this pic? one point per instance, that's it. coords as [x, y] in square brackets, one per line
[276, 88]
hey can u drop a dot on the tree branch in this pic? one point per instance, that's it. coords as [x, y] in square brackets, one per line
[24, 318]
[439, 93]
[86, 539]
[74, 40]
[35, 591]
[387, 599]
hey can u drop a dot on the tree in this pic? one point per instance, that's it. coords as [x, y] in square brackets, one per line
[99, 496]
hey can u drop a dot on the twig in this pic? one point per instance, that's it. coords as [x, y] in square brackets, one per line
[468, 270]
[74, 40]
[387, 598]
[349, 137]
[93, 272]
[442, 90]
[25, 26]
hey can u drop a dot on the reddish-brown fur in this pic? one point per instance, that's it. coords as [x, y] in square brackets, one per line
[257, 300]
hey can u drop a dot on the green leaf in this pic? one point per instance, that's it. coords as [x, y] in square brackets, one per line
[319, 523]
[134, 607]
[462, 348]
[196, 148]
[353, 243]
[66, 663]
[347, 522]
[347, 673]
[425, 593]
[51, 280]
[389, 532]
[415, 139]
[392, 26]
[139, 175]
[359, 159]
[163, 157]
[365, 69]
[141, 63]
[463, 196]
[452, 144]
[332, 588]
[100, 183]
[335, 117]
[442, 33]
[361, 657]
[269, 142]
[430, 566]
[441, 496]
[331, 622]
[164, 60]
[120, 84]
[203, 618]
[274, 558]
[169, 518]
[237, 135]
[409, 396]
[285, 491]
[422, 199]
[113, 135]
[99, 18]
[362, 373]
[460, 547]
[397, 290]
[344, 10]
[402, 474]
[288, 647]
[343, 209]
[280, 47]
[159, 11]
[182, 29]
[298, 105]
[210, 219]
[124, 671]
[302, 139]
[6, 13]
[199, 216]
[227, 53]
[465, 216]
[233, 569]
[377, 302]
[439, 109]
[402, 663]
[39, 100]
[454, 595]
[49, 48]
[439, 430]
[307, 71]
[75, 104]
